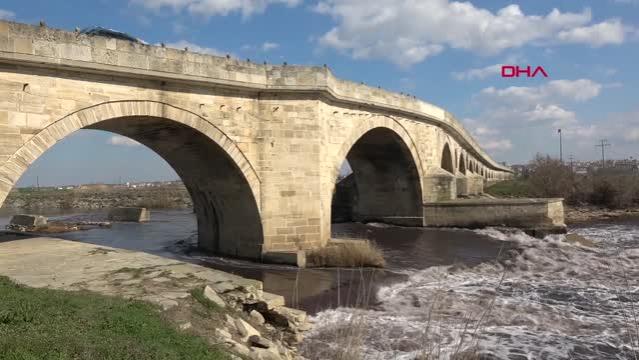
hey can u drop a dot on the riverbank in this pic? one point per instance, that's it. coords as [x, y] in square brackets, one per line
[575, 215]
[92, 327]
[157, 197]
[227, 311]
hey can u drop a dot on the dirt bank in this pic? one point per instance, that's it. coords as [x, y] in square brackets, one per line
[248, 321]
[589, 214]
[51, 198]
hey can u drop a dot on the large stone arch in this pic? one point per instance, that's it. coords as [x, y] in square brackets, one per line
[387, 172]
[224, 187]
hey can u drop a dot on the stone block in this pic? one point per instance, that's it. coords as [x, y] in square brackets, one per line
[28, 220]
[132, 214]
[286, 257]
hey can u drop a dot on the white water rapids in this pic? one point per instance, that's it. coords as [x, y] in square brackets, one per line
[545, 299]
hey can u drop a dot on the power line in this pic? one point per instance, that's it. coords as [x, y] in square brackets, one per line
[603, 144]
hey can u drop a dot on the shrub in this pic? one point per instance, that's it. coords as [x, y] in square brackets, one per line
[348, 253]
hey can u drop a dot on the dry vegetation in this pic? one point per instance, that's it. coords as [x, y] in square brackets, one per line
[550, 178]
[348, 253]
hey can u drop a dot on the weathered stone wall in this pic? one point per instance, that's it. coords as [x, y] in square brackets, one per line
[257, 146]
[538, 214]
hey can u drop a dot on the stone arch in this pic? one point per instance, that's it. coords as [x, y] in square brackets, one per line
[387, 172]
[223, 185]
[447, 160]
[462, 164]
[367, 125]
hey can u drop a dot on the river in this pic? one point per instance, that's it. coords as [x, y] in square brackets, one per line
[445, 292]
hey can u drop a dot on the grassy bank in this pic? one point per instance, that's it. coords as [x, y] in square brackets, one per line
[54, 324]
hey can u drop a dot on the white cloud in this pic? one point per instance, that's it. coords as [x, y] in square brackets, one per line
[6, 14]
[488, 71]
[406, 32]
[515, 108]
[207, 8]
[604, 33]
[489, 138]
[182, 44]
[122, 141]
[497, 145]
[480, 73]
[268, 46]
[556, 90]
[558, 115]
[632, 134]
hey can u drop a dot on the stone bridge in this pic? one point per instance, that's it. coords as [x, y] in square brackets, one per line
[258, 146]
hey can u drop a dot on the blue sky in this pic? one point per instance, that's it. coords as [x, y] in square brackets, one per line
[445, 52]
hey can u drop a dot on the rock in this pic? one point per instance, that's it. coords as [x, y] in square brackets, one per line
[175, 295]
[305, 326]
[223, 334]
[185, 326]
[295, 338]
[260, 342]
[134, 214]
[272, 300]
[223, 287]
[165, 303]
[285, 317]
[229, 320]
[252, 293]
[28, 220]
[245, 329]
[257, 317]
[211, 295]
[578, 239]
[264, 354]
[239, 348]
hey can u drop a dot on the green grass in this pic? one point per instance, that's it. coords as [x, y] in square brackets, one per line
[510, 188]
[53, 324]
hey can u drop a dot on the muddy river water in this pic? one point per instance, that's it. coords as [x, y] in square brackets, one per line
[445, 292]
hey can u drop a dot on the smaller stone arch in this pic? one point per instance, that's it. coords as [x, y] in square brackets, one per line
[386, 174]
[462, 164]
[447, 160]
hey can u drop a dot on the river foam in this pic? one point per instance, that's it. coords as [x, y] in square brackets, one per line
[542, 299]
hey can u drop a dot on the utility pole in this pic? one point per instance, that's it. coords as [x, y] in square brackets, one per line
[38, 182]
[561, 152]
[603, 143]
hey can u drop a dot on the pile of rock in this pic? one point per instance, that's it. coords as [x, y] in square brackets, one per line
[282, 327]
[25, 222]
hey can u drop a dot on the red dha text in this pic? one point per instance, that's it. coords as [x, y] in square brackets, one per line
[516, 71]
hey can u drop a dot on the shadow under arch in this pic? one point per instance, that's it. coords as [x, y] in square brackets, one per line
[224, 188]
[385, 184]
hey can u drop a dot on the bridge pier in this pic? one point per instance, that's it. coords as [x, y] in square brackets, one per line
[439, 185]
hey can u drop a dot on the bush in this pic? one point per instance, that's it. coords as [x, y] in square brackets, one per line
[604, 194]
[550, 178]
[347, 253]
